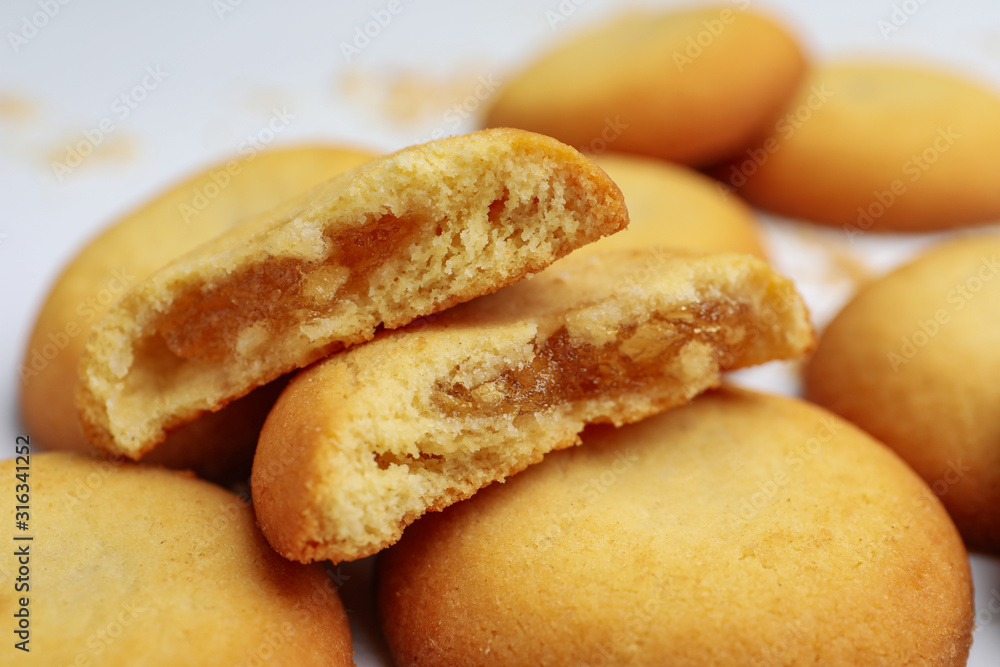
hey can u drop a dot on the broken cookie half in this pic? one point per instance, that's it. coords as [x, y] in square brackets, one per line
[361, 444]
[397, 238]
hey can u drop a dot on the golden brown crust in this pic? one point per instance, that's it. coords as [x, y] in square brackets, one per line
[740, 529]
[400, 237]
[638, 85]
[912, 359]
[363, 443]
[138, 565]
[871, 146]
[174, 223]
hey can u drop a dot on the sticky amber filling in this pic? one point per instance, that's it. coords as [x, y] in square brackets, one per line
[206, 324]
[565, 369]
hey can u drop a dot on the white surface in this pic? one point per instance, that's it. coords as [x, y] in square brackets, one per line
[229, 66]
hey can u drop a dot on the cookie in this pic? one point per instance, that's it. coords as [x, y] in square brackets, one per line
[913, 360]
[741, 529]
[400, 237]
[871, 146]
[136, 565]
[358, 446]
[694, 86]
[672, 206]
[179, 220]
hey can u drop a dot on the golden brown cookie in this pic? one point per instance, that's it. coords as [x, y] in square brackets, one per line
[672, 206]
[741, 529]
[880, 147]
[913, 359]
[179, 220]
[360, 445]
[400, 237]
[693, 86]
[137, 565]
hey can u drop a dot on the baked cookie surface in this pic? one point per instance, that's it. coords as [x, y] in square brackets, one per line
[397, 238]
[913, 359]
[364, 442]
[692, 86]
[136, 565]
[174, 223]
[871, 146]
[740, 529]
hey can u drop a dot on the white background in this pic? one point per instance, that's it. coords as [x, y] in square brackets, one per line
[230, 65]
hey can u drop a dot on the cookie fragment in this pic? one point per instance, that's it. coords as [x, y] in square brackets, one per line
[361, 444]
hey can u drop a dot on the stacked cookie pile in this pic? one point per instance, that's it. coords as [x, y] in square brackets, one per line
[372, 339]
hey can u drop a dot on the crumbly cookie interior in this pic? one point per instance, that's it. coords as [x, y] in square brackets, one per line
[566, 369]
[547, 395]
[363, 444]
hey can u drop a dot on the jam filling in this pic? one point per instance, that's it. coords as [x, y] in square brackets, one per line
[567, 370]
[206, 324]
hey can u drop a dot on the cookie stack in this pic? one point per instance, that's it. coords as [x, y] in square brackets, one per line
[472, 370]
[527, 345]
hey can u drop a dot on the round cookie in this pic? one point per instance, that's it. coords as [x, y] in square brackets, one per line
[693, 86]
[913, 359]
[174, 223]
[739, 529]
[672, 206]
[880, 147]
[137, 565]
